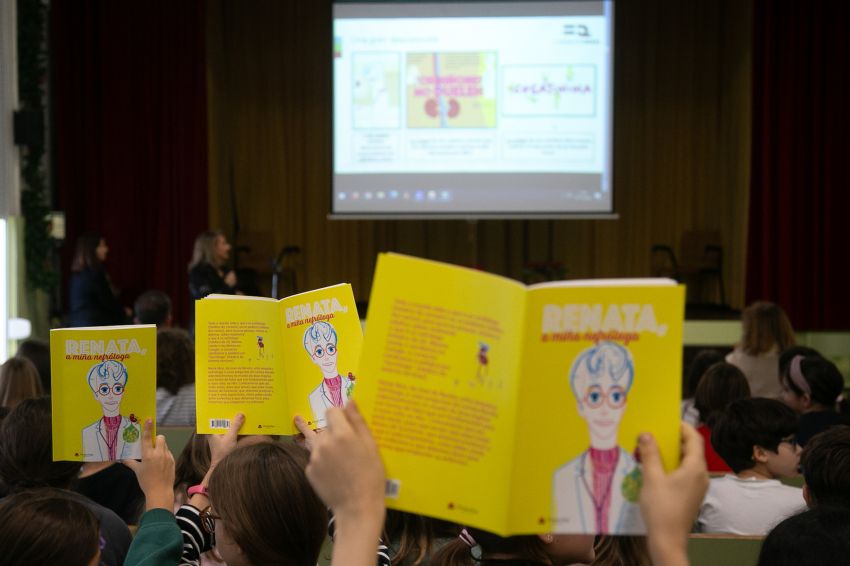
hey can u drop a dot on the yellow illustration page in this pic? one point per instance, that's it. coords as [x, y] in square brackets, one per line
[601, 364]
[322, 338]
[239, 365]
[103, 387]
[439, 380]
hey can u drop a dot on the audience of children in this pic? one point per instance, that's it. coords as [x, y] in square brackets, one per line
[47, 526]
[701, 362]
[721, 384]
[262, 501]
[811, 386]
[756, 438]
[175, 378]
[766, 331]
[19, 380]
[26, 462]
[93, 299]
[38, 352]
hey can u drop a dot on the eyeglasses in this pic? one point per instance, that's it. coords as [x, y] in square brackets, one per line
[595, 396]
[790, 439]
[319, 352]
[208, 519]
[116, 389]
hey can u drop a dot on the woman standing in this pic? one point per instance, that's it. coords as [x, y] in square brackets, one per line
[93, 299]
[207, 272]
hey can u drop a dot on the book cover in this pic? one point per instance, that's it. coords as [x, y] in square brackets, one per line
[274, 359]
[103, 387]
[501, 391]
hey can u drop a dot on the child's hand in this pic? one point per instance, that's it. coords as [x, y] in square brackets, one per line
[347, 473]
[155, 472]
[307, 438]
[223, 444]
[669, 502]
[345, 468]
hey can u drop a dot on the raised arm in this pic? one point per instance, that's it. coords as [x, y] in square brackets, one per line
[346, 471]
[669, 502]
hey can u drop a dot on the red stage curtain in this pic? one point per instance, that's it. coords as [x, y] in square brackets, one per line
[128, 89]
[800, 193]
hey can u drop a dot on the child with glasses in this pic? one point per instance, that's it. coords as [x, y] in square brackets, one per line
[756, 438]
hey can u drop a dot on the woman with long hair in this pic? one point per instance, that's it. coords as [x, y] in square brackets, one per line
[94, 300]
[208, 271]
[766, 331]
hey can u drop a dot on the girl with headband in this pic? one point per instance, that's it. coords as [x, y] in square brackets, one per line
[812, 385]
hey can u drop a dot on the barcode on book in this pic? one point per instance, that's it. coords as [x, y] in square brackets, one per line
[219, 423]
[392, 488]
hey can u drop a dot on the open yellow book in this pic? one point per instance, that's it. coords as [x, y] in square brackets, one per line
[103, 387]
[272, 359]
[516, 409]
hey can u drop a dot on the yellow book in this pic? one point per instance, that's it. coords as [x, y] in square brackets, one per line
[103, 387]
[272, 360]
[516, 409]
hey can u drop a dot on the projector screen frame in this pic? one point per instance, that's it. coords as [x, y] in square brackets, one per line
[608, 171]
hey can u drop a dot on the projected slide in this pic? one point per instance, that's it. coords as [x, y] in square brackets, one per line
[472, 108]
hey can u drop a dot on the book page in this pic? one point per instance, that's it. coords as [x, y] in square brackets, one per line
[439, 367]
[321, 341]
[103, 387]
[600, 366]
[239, 365]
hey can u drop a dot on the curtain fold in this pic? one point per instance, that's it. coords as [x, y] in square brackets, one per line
[128, 90]
[800, 187]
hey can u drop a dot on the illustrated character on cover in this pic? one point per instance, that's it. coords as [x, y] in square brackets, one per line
[320, 341]
[261, 348]
[597, 491]
[113, 436]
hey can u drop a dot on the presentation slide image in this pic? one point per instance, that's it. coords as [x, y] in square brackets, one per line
[549, 90]
[376, 84]
[451, 90]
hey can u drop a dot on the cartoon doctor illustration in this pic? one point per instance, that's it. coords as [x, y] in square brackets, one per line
[113, 436]
[320, 341]
[597, 491]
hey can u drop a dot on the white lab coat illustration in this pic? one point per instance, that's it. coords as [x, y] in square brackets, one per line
[573, 498]
[94, 442]
[320, 399]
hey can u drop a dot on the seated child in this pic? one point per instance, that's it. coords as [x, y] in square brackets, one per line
[721, 384]
[26, 461]
[816, 537]
[756, 438]
[48, 526]
[701, 362]
[811, 386]
[826, 466]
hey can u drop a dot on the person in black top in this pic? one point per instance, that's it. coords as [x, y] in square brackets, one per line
[207, 271]
[93, 299]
